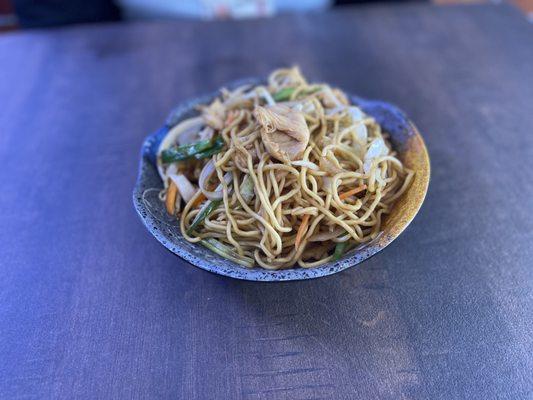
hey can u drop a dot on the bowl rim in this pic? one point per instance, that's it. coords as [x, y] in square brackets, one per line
[352, 258]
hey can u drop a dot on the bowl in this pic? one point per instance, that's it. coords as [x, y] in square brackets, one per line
[404, 136]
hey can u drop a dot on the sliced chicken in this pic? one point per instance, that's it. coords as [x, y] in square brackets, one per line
[283, 130]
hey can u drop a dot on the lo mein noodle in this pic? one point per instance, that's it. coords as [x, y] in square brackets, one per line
[280, 174]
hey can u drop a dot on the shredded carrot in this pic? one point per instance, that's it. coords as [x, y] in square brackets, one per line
[201, 197]
[349, 193]
[170, 201]
[301, 230]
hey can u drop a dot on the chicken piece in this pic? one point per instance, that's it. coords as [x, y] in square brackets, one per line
[214, 114]
[284, 131]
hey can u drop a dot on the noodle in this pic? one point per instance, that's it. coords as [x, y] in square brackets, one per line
[290, 153]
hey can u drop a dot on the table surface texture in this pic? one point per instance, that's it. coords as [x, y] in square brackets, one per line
[93, 307]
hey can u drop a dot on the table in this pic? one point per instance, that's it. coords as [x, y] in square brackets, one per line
[92, 307]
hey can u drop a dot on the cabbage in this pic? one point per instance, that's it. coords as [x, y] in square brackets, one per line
[376, 149]
[361, 133]
[356, 113]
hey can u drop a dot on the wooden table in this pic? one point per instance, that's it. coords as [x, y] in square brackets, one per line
[92, 307]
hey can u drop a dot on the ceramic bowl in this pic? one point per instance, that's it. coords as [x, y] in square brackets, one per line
[405, 139]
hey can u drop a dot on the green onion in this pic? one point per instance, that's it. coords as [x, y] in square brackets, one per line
[226, 252]
[203, 214]
[180, 153]
[202, 149]
[286, 93]
[339, 250]
[218, 143]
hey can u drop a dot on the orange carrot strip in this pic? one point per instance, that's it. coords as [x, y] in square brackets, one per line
[201, 197]
[301, 230]
[170, 201]
[349, 193]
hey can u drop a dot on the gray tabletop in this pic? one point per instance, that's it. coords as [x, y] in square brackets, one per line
[92, 307]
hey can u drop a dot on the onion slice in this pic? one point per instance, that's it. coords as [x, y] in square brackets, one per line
[356, 113]
[338, 109]
[185, 187]
[188, 127]
[376, 149]
[306, 164]
[261, 91]
[361, 132]
[330, 97]
[206, 173]
[326, 183]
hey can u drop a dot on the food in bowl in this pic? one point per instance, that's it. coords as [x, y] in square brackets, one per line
[280, 174]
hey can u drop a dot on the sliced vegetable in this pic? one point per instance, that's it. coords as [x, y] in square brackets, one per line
[205, 175]
[247, 189]
[286, 93]
[185, 132]
[170, 201]
[180, 153]
[207, 133]
[171, 170]
[361, 133]
[185, 187]
[333, 111]
[301, 230]
[199, 150]
[218, 143]
[339, 251]
[349, 193]
[188, 136]
[201, 197]
[203, 214]
[376, 149]
[226, 252]
[356, 113]
[330, 100]
[203, 180]
[306, 164]
[208, 153]
[261, 91]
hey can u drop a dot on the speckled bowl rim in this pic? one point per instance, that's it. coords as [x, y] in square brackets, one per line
[408, 140]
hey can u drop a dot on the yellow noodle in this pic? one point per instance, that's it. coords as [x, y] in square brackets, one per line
[264, 227]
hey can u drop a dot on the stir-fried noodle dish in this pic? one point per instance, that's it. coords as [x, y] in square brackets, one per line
[280, 174]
